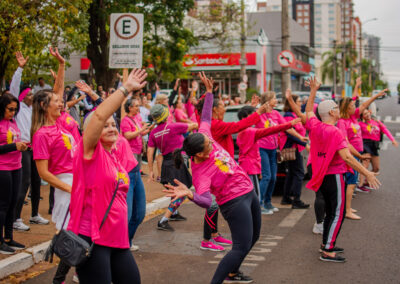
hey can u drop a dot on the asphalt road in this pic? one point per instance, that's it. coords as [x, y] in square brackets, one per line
[287, 251]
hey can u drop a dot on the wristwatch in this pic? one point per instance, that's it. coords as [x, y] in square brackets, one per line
[124, 91]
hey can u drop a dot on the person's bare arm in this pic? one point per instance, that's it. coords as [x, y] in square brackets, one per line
[58, 88]
[82, 86]
[43, 170]
[354, 164]
[314, 86]
[296, 109]
[367, 103]
[75, 101]
[150, 154]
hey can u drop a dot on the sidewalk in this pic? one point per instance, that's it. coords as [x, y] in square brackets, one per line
[37, 238]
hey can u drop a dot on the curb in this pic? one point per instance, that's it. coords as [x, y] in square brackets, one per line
[24, 260]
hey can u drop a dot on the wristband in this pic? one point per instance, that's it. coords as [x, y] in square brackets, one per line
[124, 91]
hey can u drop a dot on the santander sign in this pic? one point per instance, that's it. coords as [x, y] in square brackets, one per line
[217, 59]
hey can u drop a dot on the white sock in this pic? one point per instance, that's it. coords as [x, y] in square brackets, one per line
[164, 219]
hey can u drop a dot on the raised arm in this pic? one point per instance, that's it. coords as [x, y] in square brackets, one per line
[16, 79]
[58, 88]
[356, 88]
[367, 103]
[95, 126]
[206, 113]
[314, 86]
[296, 109]
[82, 86]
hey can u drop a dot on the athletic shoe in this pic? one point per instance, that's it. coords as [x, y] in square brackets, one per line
[211, 246]
[238, 278]
[300, 205]
[164, 226]
[14, 245]
[75, 278]
[38, 220]
[335, 249]
[336, 258]
[362, 189]
[18, 225]
[269, 206]
[222, 241]
[318, 228]
[266, 211]
[286, 201]
[177, 217]
[5, 249]
[134, 247]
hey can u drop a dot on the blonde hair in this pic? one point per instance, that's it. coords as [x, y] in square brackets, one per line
[40, 104]
[267, 96]
[160, 97]
[344, 107]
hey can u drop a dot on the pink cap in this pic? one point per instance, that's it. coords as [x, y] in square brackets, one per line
[23, 94]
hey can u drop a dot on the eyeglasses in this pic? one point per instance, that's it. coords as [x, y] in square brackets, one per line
[11, 109]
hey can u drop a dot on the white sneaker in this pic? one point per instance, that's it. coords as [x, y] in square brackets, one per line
[134, 247]
[38, 220]
[266, 211]
[318, 228]
[18, 225]
[75, 278]
[275, 209]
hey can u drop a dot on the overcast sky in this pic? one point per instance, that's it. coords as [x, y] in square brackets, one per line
[387, 27]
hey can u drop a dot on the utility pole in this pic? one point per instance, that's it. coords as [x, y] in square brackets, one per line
[334, 67]
[243, 60]
[285, 84]
[360, 48]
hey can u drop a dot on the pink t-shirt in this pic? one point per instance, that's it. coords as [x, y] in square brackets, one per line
[9, 134]
[372, 130]
[249, 154]
[298, 127]
[55, 144]
[132, 124]
[91, 194]
[124, 154]
[168, 136]
[220, 174]
[352, 128]
[326, 141]
[70, 124]
[191, 110]
[180, 115]
[266, 120]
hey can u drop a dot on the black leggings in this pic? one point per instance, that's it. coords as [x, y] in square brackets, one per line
[10, 186]
[107, 265]
[294, 178]
[243, 215]
[30, 177]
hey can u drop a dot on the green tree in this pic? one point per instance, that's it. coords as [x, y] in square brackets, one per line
[398, 88]
[165, 42]
[32, 25]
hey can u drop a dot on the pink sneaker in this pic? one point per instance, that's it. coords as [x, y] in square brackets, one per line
[211, 246]
[220, 240]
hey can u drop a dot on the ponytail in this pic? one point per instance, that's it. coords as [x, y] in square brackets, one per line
[178, 159]
[192, 145]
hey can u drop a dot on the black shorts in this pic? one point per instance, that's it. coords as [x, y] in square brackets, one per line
[371, 147]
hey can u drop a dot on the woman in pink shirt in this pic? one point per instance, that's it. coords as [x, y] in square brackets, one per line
[371, 133]
[100, 176]
[348, 124]
[330, 157]
[10, 171]
[268, 151]
[215, 171]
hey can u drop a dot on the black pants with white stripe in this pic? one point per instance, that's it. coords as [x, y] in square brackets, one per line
[333, 191]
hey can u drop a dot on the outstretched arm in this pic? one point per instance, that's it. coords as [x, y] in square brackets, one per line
[314, 86]
[296, 109]
[58, 88]
[367, 103]
[16, 79]
[92, 134]
[356, 88]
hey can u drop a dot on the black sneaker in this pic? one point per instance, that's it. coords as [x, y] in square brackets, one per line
[336, 258]
[164, 226]
[238, 278]
[15, 245]
[177, 217]
[335, 249]
[300, 205]
[5, 249]
[286, 201]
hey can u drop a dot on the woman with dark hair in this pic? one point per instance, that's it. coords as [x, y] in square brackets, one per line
[167, 137]
[349, 125]
[372, 130]
[247, 140]
[10, 171]
[133, 129]
[215, 171]
[100, 175]
[295, 170]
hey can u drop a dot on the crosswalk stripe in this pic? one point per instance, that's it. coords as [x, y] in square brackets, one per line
[388, 118]
[385, 145]
[398, 119]
[397, 134]
[378, 117]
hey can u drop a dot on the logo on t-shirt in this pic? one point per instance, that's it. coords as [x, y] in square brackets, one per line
[69, 119]
[122, 178]
[67, 141]
[10, 136]
[224, 162]
[266, 124]
[321, 154]
[355, 128]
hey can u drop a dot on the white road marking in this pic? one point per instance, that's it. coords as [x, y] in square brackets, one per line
[398, 119]
[385, 145]
[260, 250]
[291, 219]
[388, 118]
[397, 134]
[378, 117]
[252, 257]
[271, 237]
[249, 264]
[213, 262]
[267, 244]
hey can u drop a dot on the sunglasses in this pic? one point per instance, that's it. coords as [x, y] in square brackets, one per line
[12, 109]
